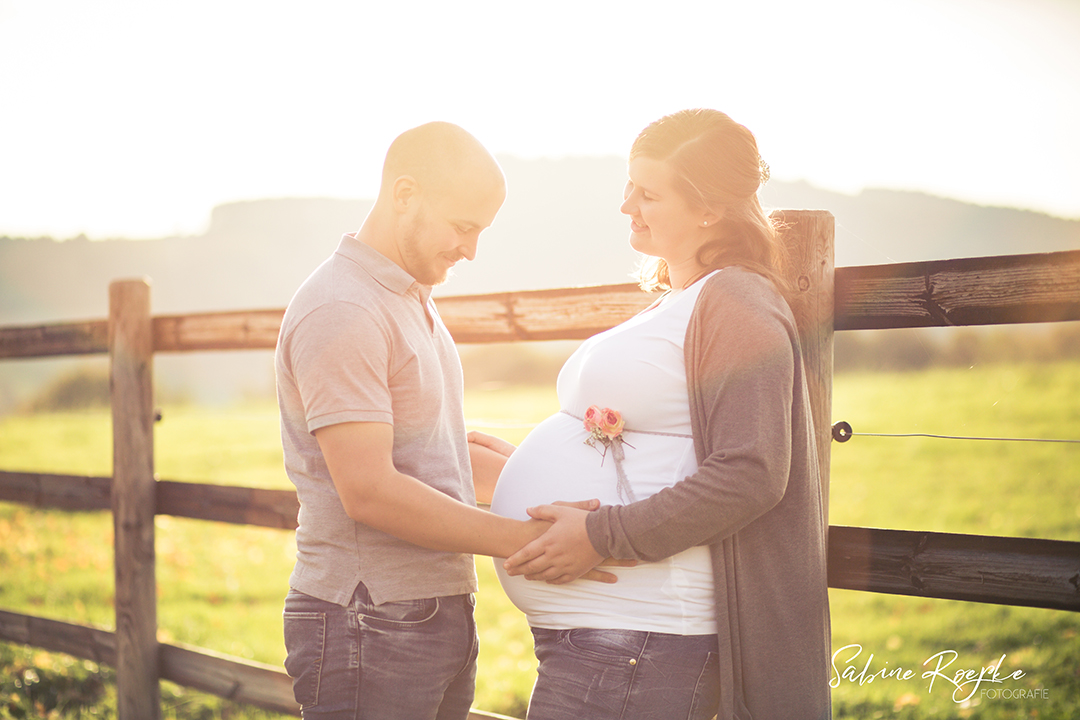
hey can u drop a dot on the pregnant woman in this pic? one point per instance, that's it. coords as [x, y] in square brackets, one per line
[691, 423]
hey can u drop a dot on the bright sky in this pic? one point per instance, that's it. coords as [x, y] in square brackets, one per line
[135, 117]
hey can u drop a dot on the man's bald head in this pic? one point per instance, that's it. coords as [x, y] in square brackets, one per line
[440, 156]
[440, 189]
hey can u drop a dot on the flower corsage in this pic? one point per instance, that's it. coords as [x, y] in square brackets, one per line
[605, 426]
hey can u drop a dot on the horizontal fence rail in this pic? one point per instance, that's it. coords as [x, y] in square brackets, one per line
[561, 314]
[1005, 571]
[72, 338]
[264, 686]
[1002, 290]
[257, 684]
[968, 291]
[237, 505]
[976, 568]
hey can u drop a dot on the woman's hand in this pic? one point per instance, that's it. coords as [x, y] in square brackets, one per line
[488, 454]
[487, 465]
[491, 442]
[563, 553]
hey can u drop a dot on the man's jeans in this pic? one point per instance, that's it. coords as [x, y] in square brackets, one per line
[619, 674]
[412, 660]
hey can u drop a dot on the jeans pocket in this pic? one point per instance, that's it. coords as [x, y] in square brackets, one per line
[403, 614]
[616, 646]
[305, 644]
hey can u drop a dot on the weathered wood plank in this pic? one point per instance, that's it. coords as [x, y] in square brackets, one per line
[70, 338]
[237, 330]
[559, 314]
[238, 505]
[974, 568]
[60, 492]
[236, 679]
[131, 355]
[968, 291]
[1007, 571]
[79, 641]
[243, 681]
[809, 236]
[258, 684]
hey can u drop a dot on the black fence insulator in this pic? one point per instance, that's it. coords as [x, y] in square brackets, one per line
[841, 432]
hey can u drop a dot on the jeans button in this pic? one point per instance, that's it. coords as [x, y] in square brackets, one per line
[633, 661]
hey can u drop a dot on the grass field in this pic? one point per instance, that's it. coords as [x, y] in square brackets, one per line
[221, 587]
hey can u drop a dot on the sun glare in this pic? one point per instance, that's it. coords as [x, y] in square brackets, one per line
[136, 119]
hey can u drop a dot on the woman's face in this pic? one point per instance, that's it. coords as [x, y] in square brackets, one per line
[663, 223]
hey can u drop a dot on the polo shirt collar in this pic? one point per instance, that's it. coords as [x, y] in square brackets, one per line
[381, 268]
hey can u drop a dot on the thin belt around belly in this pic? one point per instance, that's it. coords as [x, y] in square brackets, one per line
[622, 485]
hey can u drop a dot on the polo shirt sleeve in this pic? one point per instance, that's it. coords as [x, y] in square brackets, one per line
[340, 356]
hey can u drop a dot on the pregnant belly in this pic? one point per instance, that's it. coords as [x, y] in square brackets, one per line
[554, 463]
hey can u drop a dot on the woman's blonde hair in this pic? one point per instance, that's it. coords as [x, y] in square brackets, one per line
[717, 167]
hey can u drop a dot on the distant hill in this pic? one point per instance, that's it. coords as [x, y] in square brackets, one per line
[253, 255]
[560, 226]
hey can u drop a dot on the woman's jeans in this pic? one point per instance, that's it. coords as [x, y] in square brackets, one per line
[624, 675]
[412, 660]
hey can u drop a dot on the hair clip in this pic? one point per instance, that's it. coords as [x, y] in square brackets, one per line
[763, 170]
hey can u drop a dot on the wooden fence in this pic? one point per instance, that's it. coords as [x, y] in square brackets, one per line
[974, 291]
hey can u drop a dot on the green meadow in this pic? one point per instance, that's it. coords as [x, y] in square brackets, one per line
[221, 586]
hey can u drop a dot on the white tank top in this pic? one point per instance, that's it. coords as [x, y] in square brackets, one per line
[638, 369]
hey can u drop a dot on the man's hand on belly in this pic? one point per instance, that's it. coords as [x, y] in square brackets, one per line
[563, 553]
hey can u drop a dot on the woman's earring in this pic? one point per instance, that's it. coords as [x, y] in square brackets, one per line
[706, 223]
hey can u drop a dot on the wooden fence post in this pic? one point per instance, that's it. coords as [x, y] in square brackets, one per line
[810, 238]
[133, 500]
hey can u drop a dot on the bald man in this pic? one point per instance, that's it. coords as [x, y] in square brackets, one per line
[379, 616]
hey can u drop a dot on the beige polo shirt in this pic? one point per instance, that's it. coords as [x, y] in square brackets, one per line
[362, 342]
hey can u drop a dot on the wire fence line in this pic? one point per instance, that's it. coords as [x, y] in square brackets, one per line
[965, 437]
[842, 432]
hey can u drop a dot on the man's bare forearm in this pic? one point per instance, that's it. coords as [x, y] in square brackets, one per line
[408, 509]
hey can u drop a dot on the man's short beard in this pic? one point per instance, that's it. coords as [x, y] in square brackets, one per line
[420, 268]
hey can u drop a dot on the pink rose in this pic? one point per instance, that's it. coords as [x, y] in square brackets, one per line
[611, 423]
[592, 418]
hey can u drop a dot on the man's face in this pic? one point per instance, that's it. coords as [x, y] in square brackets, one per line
[446, 229]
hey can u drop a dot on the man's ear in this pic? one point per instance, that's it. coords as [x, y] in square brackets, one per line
[406, 194]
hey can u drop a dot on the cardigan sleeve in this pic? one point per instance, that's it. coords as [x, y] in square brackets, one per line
[741, 351]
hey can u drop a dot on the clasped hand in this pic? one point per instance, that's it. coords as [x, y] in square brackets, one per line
[563, 553]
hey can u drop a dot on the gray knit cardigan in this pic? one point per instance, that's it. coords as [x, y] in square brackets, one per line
[755, 501]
